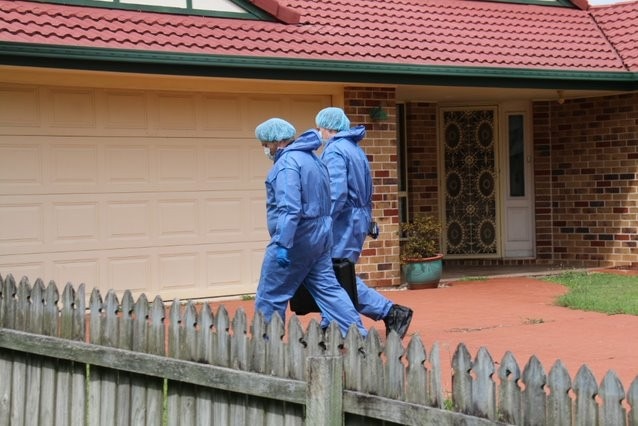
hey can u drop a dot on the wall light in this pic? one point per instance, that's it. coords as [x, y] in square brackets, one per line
[378, 114]
[561, 96]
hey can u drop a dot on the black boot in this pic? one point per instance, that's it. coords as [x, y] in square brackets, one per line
[398, 319]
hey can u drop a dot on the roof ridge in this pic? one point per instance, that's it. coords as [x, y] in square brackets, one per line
[283, 13]
[612, 45]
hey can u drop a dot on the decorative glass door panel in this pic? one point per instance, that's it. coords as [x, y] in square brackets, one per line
[470, 181]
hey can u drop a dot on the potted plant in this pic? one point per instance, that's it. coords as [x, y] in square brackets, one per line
[421, 258]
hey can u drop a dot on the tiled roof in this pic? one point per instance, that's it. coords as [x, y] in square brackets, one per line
[458, 33]
[620, 24]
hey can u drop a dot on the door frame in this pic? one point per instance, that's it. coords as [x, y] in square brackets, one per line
[516, 248]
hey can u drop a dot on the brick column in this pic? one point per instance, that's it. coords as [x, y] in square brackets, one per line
[422, 152]
[379, 264]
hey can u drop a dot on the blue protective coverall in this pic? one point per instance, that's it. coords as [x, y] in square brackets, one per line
[298, 214]
[351, 193]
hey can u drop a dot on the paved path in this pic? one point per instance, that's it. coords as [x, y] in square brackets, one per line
[514, 314]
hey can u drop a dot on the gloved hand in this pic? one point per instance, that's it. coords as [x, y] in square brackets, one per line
[373, 230]
[282, 257]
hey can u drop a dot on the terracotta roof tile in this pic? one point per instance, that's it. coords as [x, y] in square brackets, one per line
[620, 24]
[417, 32]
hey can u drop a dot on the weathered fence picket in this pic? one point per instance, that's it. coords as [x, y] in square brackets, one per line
[433, 378]
[533, 396]
[559, 404]
[632, 399]
[509, 374]
[211, 369]
[585, 388]
[325, 397]
[612, 393]
[462, 380]
[483, 387]
[69, 391]
[417, 391]
[394, 369]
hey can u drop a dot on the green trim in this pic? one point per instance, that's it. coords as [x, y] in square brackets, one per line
[120, 60]
[251, 12]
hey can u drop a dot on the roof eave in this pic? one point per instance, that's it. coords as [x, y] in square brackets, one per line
[152, 62]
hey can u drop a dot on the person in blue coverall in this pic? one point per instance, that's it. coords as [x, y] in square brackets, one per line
[351, 194]
[300, 228]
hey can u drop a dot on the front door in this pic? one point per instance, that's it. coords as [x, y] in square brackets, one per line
[469, 165]
[517, 190]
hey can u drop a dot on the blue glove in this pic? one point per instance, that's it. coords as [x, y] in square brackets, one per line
[282, 257]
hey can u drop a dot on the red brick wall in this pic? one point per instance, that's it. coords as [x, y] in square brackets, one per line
[379, 263]
[423, 185]
[586, 181]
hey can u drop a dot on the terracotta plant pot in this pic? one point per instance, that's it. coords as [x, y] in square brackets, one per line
[423, 273]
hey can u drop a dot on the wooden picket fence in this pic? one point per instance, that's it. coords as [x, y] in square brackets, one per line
[127, 362]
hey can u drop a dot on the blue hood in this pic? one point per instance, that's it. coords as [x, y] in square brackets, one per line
[356, 134]
[310, 140]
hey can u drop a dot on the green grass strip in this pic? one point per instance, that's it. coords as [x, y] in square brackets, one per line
[599, 292]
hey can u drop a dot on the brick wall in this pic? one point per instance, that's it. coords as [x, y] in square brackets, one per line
[586, 181]
[379, 263]
[423, 185]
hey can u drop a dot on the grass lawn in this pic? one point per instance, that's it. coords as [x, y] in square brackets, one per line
[598, 292]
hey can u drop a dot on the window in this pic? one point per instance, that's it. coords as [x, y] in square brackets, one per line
[402, 166]
[516, 138]
[558, 3]
[241, 9]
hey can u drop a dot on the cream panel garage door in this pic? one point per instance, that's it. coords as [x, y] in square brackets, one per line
[155, 192]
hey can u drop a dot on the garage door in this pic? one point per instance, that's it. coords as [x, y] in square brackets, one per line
[156, 192]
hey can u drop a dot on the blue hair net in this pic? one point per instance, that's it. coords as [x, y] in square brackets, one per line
[275, 130]
[332, 118]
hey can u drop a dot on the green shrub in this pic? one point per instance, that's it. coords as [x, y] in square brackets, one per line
[421, 238]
